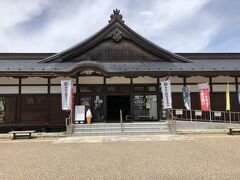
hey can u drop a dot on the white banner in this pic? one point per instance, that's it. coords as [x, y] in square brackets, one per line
[67, 90]
[167, 94]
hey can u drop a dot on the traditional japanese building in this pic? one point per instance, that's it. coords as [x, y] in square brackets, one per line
[114, 69]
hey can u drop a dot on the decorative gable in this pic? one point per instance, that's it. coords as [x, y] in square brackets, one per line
[116, 42]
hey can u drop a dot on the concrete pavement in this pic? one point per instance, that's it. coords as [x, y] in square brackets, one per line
[149, 157]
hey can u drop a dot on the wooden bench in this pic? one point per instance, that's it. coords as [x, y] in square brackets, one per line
[22, 134]
[234, 129]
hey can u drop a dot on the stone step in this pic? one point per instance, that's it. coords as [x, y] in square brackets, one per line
[124, 130]
[115, 129]
[95, 133]
[145, 132]
[118, 128]
[118, 124]
[129, 130]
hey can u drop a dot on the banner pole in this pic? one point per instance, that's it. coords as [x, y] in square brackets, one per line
[191, 115]
[210, 116]
[230, 117]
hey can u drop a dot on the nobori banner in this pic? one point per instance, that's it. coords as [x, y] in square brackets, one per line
[186, 97]
[204, 96]
[166, 93]
[67, 94]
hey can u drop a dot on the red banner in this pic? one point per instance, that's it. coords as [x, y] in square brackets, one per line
[204, 96]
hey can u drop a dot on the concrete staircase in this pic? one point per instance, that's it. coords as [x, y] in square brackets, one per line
[109, 129]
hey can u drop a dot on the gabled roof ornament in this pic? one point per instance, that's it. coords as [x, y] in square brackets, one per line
[116, 16]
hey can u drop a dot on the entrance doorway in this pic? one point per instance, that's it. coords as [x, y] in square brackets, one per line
[114, 104]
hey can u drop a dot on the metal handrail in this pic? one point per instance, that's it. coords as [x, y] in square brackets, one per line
[121, 120]
[206, 116]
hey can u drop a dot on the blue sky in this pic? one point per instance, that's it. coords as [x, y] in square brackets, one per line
[176, 25]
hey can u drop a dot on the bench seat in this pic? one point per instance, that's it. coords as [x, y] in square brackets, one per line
[233, 129]
[22, 133]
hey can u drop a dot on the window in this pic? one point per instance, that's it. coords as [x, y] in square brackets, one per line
[90, 88]
[142, 88]
[145, 107]
[35, 100]
[118, 89]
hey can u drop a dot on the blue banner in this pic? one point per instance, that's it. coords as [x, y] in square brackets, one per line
[186, 97]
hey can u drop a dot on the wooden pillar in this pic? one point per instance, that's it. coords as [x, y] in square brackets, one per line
[184, 81]
[132, 100]
[236, 83]
[211, 93]
[210, 84]
[77, 99]
[19, 101]
[105, 99]
[159, 100]
[49, 99]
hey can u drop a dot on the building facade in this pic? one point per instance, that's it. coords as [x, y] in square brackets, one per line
[114, 69]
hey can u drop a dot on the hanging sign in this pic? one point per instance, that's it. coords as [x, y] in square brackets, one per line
[67, 94]
[139, 101]
[166, 93]
[204, 96]
[186, 97]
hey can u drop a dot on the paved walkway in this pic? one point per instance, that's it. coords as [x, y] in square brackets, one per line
[134, 157]
[137, 138]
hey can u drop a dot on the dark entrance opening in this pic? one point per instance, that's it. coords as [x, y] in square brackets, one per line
[114, 104]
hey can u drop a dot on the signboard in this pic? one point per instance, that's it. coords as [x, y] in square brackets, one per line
[198, 113]
[139, 101]
[67, 94]
[217, 113]
[204, 96]
[79, 113]
[166, 93]
[179, 112]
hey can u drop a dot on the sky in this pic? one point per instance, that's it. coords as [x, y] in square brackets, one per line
[176, 25]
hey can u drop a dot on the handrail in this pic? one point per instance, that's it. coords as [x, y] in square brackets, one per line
[206, 116]
[69, 119]
[121, 120]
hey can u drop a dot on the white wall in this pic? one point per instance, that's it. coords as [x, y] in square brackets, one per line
[197, 79]
[144, 80]
[118, 80]
[222, 88]
[223, 79]
[57, 80]
[176, 88]
[173, 79]
[9, 80]
[34, 89]
[57, 89]
[193, 88]
[90, 80]
[34, 80]
[8, 89]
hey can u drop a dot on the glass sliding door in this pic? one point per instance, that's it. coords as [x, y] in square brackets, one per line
[145, 107]
[95, 104]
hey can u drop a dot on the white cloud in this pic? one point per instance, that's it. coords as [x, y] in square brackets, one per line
[177, 25]
[15, 12]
